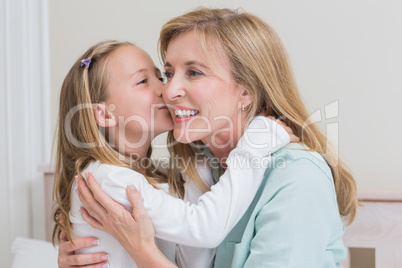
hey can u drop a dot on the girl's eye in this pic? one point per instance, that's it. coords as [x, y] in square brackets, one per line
[144, 81]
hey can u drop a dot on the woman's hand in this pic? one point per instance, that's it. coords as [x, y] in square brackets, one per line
[293, 137]
[134, 230]
[67, 257]
[103, 213]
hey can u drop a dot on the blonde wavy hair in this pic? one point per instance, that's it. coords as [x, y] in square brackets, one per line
[259, 63]
[82, 140]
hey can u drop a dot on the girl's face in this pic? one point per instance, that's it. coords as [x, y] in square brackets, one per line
[134, 96]
[204, 105]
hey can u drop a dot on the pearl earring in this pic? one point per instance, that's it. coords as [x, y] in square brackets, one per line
[242, 107]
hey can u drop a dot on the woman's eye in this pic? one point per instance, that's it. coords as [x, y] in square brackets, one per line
[168, 74]
[194, 73]
[144, 81]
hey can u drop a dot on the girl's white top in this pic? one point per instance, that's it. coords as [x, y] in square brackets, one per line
[199, 222]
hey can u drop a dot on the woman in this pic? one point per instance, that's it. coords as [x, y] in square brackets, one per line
[296, 218]
[110, 110]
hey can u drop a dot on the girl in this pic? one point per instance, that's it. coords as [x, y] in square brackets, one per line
[296, 217]
[110, 110]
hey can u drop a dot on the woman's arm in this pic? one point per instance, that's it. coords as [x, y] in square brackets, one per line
[206, 223]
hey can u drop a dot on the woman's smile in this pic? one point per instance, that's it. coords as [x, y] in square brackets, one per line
[184, 114]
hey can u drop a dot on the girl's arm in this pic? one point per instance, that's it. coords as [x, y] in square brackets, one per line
[206, 223]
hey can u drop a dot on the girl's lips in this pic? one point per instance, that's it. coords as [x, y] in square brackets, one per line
[160, 106]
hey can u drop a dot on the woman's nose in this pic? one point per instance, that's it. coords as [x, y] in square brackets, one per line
[173, 90]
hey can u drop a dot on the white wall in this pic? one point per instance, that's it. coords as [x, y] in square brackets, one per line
[345, 51]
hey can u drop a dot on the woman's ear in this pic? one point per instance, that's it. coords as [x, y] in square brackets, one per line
[103, 117]
[246, 99]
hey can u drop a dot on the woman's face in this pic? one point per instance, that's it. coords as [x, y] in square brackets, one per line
[204, 105]
[134, 95]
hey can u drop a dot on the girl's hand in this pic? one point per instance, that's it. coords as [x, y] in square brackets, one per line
[293, 138]
[67, 257]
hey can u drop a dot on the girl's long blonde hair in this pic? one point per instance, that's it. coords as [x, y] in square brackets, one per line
[79, 139]
[259, 63]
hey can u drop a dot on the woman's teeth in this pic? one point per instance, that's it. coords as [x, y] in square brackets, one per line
[185, 113]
